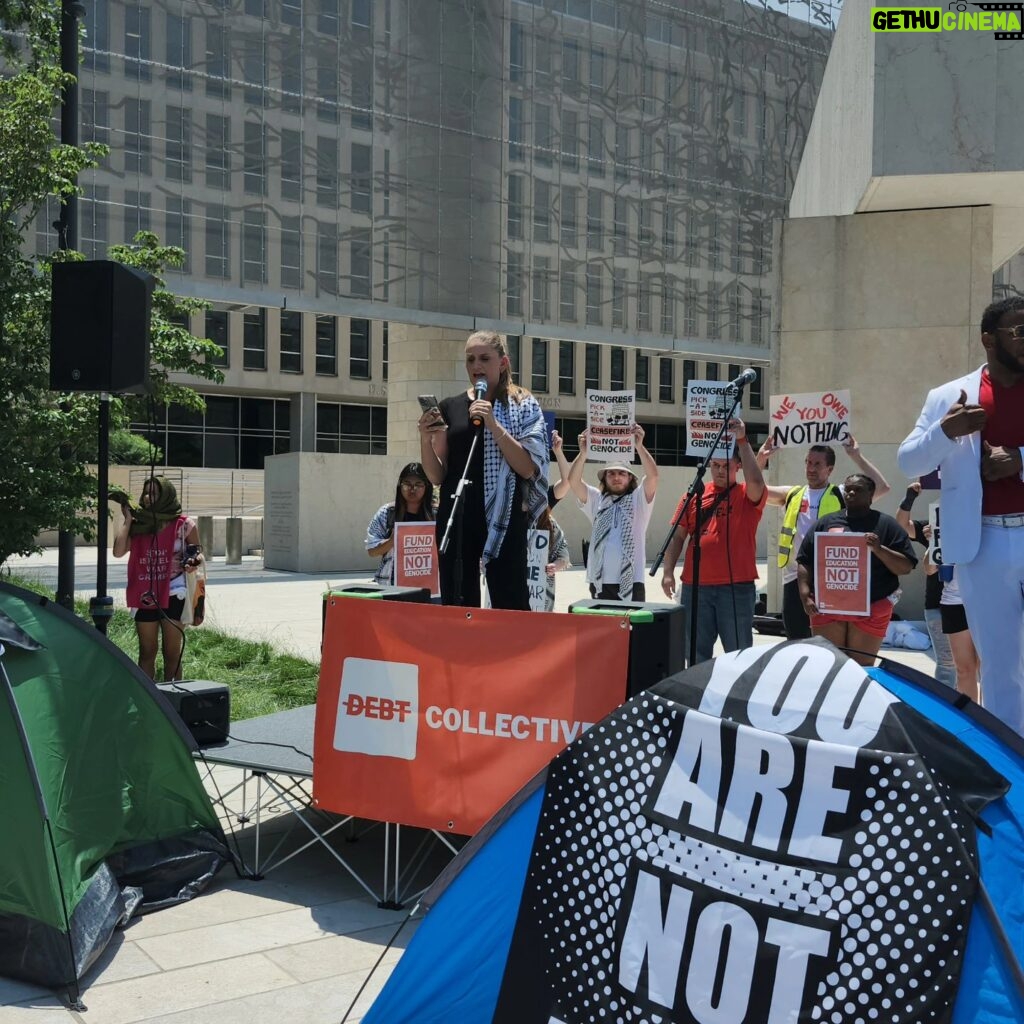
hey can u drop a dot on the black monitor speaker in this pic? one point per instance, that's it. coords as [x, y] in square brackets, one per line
[99, 327]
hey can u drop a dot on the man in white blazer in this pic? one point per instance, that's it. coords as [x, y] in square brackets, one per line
[973, 430]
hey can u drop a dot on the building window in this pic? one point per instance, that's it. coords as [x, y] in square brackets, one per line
[291, 252]
[254, 247]
[362, 178]
[138, 136]
[711, 371]
[327, 18]
[515, 206]
[514, 284]
[515, 128]
[360, 256]
[541, 211]
[178, 147]
[218, 60]
[384, 332]
[254, 70]
[689, 373]
[291, 341]
[516, 52]
[570, 62]
[618, 376]
[217, 331]
[666, 380]
[620, 226]
[514, 348]
[668, 308]
[351, 429]
[618, 297]
[690, 308]
[254, 340]
[595, 147]
[566, 368]
[179, 52]
[594, 294]
[597, 69]
[362, 94]
[570, 142]
[218, 151]
[136, 214]
[359, 349]
[96, 116]
[592, 367]
[542, 141]
[218, 237]
[567, 212]
[622, 156]
[643, 303]
[96, 41]
[595, 214]
[178, 229]
[136, 43]
[327, 258]
[254, 163]
[755, 393]
[539, 365]
[541, 289]
[643, 377]
[714, 323]
[326, 346]
[567, 292]
[327, 171]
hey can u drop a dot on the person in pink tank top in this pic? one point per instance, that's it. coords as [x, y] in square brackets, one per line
[162, 546]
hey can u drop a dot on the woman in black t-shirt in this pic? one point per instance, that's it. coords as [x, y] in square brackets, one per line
[507, 477]
[892, 556]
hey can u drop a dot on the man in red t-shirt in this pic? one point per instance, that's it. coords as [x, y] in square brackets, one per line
[973, 430]
[729, 516]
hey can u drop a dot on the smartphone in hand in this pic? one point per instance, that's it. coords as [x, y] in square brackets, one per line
[428, 403]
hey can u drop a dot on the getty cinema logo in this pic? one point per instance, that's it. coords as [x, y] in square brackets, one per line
[1004, 20]
[378, 709]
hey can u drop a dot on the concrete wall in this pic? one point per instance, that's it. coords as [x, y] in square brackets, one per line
[888, 305]
[318, 507]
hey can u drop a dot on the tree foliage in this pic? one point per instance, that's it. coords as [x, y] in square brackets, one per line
[46, 439]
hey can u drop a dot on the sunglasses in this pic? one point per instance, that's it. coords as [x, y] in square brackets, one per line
[1016, 332]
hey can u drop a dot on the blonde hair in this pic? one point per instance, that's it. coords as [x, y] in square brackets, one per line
[506, 390]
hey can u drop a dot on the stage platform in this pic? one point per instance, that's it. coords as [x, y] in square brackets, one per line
[275, 755]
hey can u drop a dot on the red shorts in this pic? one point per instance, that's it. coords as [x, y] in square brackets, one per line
[876, 623]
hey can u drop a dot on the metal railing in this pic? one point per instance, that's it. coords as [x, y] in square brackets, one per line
[204, 492]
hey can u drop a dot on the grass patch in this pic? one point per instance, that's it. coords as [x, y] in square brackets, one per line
[262, 680]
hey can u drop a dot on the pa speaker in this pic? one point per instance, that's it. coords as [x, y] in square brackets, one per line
[99, 327]
[203, 706]
[655, 638]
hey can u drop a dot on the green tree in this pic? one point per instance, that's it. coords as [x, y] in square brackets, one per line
[46, 438]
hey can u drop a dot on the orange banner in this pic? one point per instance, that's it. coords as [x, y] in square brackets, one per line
[434, 716]
[842, 573]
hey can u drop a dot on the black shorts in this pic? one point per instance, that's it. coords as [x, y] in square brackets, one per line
[954, 618]
[173, 611]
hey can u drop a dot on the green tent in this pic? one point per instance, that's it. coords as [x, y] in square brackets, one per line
[104, 813]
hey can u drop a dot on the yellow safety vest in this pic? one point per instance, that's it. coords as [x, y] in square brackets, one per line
[831, 501]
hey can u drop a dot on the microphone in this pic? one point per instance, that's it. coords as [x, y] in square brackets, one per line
[748, 376]
[480, 386]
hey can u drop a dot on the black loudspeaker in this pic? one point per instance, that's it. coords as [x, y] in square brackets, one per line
[655, 639]
[375, 592]
[204, 707]
[99, 327]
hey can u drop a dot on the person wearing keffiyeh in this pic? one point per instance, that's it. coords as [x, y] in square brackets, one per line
[508, 477]
[620, 511]
[162, 546]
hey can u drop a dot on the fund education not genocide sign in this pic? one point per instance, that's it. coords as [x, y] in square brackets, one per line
[707, 404]
[610, 419]
[416, 557]
[842, 573]
[814, 417]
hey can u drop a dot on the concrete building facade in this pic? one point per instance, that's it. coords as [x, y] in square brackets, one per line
[597, 180]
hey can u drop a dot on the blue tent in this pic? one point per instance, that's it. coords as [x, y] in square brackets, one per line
[770, 836]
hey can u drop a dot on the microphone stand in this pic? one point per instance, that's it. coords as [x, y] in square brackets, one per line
[696, 491]
[455, 517]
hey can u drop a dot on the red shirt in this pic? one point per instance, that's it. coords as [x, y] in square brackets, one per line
[1004, 425]
[736, 518]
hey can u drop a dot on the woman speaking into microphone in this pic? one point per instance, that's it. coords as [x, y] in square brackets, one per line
[507, 477]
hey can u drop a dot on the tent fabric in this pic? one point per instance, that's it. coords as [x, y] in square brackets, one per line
[571, 921]
[100, 793]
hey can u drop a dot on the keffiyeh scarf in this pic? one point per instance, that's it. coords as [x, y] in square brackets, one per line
[613, 514]
[525, 422]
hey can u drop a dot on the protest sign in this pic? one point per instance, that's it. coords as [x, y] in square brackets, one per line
[416, 557]
[815, 417]
[538, 551]
[842, 573]
[707, 403]
[610, 419]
